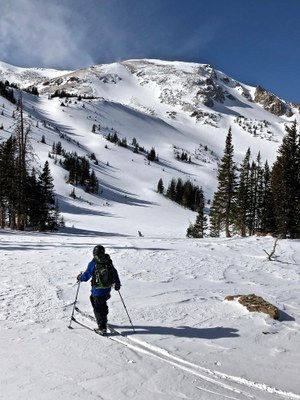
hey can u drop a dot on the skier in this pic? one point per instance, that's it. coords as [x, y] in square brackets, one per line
[104, 276]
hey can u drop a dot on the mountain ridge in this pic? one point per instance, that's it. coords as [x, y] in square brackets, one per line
[203, 74]
[174, 107]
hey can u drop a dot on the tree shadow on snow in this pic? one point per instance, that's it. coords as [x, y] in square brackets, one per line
[66, 231]
[217, 332]
[138, 248]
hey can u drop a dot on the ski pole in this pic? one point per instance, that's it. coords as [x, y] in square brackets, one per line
[72, 316]
[126, 311]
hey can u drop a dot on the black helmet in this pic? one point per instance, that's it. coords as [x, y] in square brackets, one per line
[98, 250]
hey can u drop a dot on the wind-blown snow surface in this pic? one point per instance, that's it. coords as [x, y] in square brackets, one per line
[189, 342]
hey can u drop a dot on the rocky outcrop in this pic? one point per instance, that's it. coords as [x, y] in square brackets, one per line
[255, 303]
[271, 103]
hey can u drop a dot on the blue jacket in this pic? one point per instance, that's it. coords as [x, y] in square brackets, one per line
[89, 272]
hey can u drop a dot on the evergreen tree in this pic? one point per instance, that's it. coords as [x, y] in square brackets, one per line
[151, 155]
[8, 189]
[46, 183]
[285, 181]
[198, 229]
[6, 92]
[260, 190]
[48, 206]
[185, 194]
[267, 213]
[115, 138]
[243, 196]
[84, 170]
[38, 210]
[214, 221]
[198, 198]
[171, 191]
[58, 148]
[92, 185]
[23, 159]
[253, 198]
[224, 202]
[34, 202]
[123, 142]
[160, 186]
[188, 196]
[179, 190]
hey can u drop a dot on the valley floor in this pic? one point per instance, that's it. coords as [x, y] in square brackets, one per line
[189, 342]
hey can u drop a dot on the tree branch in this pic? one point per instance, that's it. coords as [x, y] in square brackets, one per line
[273, 250]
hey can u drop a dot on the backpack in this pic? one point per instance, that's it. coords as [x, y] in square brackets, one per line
[104, 274]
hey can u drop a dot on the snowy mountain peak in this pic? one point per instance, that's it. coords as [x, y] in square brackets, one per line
[177, 108]
[25, 77]
[191, 87]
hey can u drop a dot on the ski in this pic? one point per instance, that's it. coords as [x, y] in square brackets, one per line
[89, 327]
[85, 314]
[91, 318]
[82, 324]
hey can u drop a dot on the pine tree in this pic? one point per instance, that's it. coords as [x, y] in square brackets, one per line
[151, 155]
[188, 196]
[224, 202]
[253, 196]
[8, 190]
[23, 158]
[37, 209]
[92, 185]
[198, 198]
[171, 191]
[267, 214]
[49, 207]
[34, 202]
[160, 186]
[285, 181]
[243, 193]
[179, 189]
[259, 196]
[215, 223]
[198, 229]
[58, 148]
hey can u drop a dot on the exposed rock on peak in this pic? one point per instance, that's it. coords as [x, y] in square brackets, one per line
[271, 103]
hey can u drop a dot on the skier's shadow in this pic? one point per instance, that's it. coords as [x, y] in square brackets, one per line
[182, 331]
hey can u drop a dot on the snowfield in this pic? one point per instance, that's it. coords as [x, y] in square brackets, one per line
[188, 343]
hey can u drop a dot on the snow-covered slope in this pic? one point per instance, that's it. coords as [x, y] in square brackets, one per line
[25, 77]
[189, 342]
[172, 106]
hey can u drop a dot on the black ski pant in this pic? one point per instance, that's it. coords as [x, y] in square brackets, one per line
[100, 307]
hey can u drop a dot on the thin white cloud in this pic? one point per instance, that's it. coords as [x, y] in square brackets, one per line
[41, 33]
[71, 34]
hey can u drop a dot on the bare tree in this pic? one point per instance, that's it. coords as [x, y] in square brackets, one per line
[272, 254]
[23, 158]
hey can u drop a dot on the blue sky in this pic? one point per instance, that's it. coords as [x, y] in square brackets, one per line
[253, 41]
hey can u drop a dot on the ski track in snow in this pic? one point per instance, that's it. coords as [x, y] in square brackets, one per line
[210, 379]
[36, 293]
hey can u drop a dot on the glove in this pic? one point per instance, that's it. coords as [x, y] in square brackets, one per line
[117, 286]
[79, 277]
